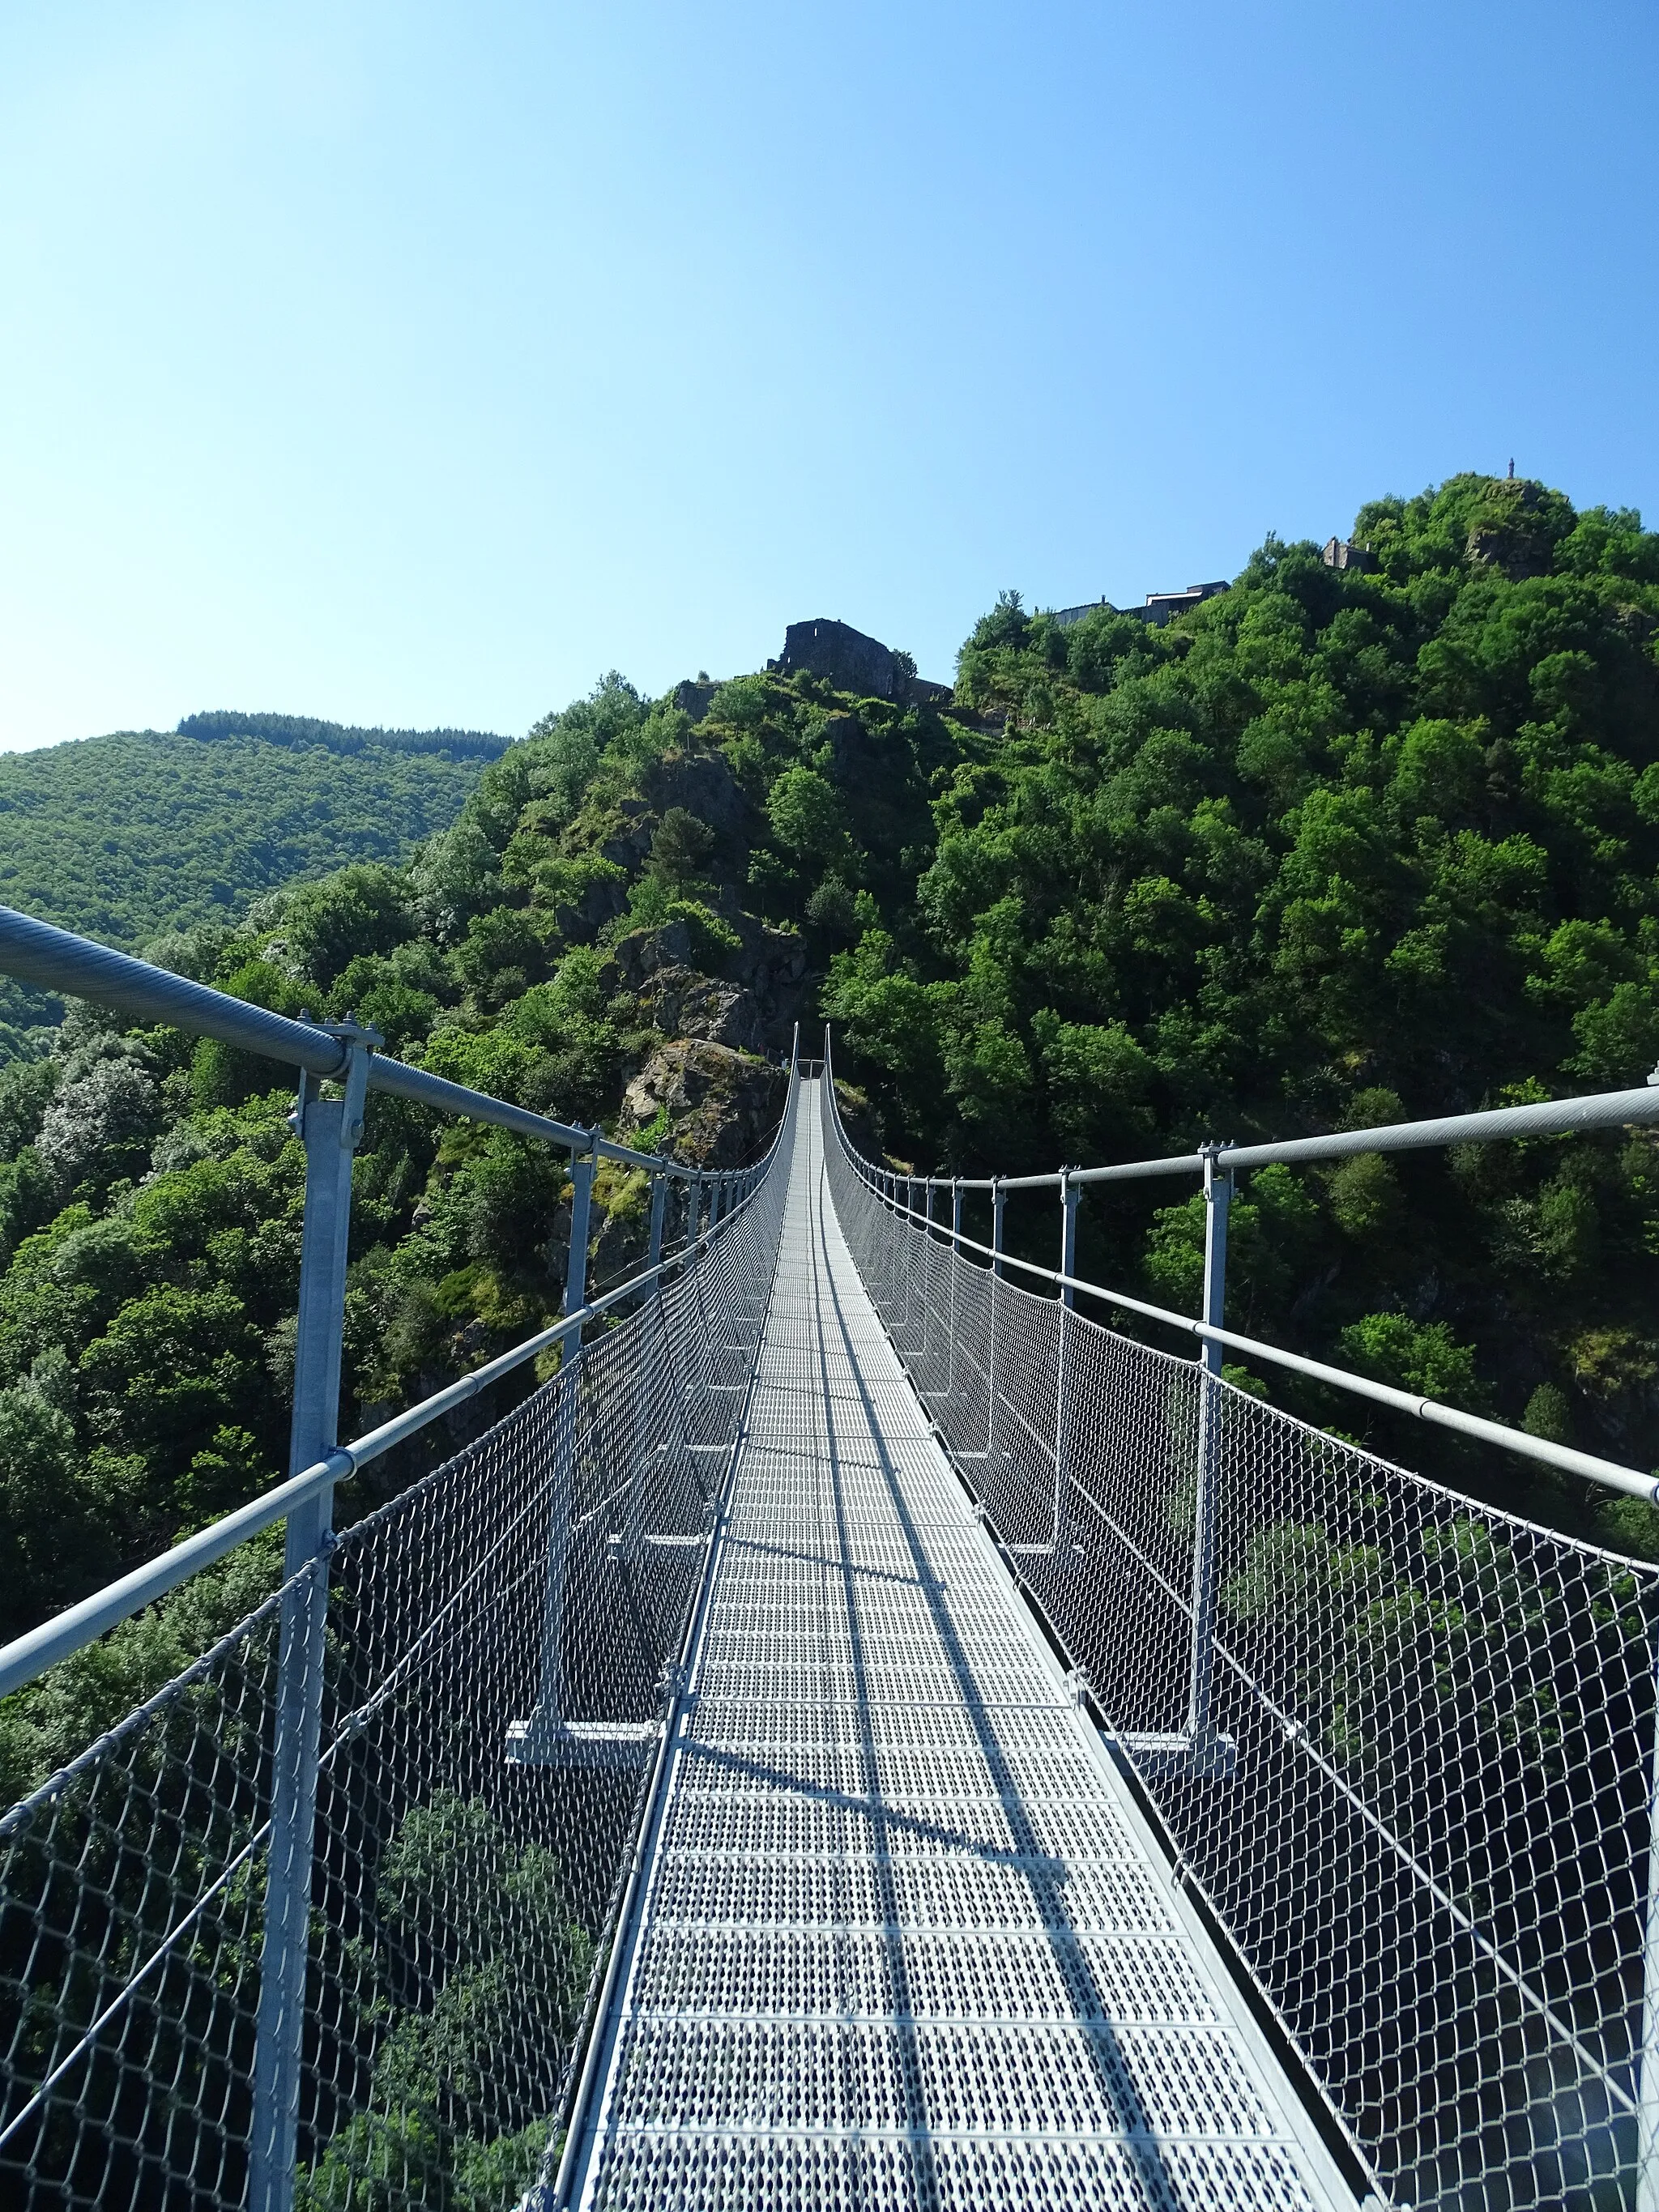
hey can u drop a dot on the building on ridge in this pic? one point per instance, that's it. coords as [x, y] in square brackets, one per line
[1160, 607]
[1341, 553]
[851, 661]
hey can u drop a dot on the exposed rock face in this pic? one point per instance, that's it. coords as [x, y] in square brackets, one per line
[703, 784]
[723, 1105]
[1516, 552]
[682, 1003]
[630, 844]
[643, 951]
[859, 1121]
[753, 1004]
[692, 697]
[771, 966]
[601, 901]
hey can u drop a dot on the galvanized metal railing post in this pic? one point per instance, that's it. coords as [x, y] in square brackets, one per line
[956, 1261]
[926, 1268]
[1069, 1194]
[1200, 1724]
[530, 1744]
[902, 1244]
[676, 1378]
[1647, 2107]
[658, 1207]
[999, 1200]
[331, 1130]
[625, 1545]
[909, 1264]
[582, 1213]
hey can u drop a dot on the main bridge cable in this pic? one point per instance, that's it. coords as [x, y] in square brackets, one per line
[1606, 1109]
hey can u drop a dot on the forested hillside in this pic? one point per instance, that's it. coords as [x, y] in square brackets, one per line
[126, 835]
[1334, 847]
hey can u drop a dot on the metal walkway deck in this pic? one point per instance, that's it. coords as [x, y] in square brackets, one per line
[904, 1940]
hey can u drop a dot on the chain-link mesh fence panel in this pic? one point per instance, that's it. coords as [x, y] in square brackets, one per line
[1421, 1808]
[500, 1643]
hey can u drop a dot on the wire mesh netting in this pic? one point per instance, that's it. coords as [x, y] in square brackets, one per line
[1420, 1811]
[501, 1641]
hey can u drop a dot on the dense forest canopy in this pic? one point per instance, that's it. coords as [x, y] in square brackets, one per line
[126, 836]
[340, 737]
[1334, 847]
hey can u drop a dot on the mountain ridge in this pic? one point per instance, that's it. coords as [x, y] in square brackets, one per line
[129, 834]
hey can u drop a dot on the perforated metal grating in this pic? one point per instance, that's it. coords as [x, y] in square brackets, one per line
[906, 1940]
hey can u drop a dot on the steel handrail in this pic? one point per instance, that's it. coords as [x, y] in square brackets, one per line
[1555, 1117]
[1632, 1481]
[28, 1656]
[39, 952]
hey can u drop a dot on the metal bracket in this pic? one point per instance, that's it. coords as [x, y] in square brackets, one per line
[616, 1548]
[580, 1743]
[1175, 1757]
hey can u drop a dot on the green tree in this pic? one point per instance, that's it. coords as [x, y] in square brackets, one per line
[681, 845]
[805, 815]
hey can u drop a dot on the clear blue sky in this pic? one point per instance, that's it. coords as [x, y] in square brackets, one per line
[415, 364]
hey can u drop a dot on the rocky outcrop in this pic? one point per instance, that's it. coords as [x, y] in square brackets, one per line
[703, 784]
[751, 1004]
[682, 1002]
[603, 896]
[858, 1119]
[771, 966]
[722, 1105]
[694, 697]
[629, 843]
[640, 954]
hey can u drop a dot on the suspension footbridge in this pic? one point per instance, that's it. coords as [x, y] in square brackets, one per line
[862, 1730]
[905, 1938]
